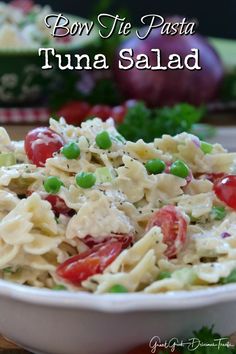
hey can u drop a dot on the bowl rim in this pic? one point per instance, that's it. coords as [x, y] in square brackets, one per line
[119, 303]
[60, 48]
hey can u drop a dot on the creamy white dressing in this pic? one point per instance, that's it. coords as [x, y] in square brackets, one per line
[98, 218]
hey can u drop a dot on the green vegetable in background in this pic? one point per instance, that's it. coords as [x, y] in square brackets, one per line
[228, 91]
[147, 124]
[206, 335]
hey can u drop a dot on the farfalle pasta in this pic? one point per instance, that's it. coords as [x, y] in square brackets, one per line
[83, 209]
[22, 26]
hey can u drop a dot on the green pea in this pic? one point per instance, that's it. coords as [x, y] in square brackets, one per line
[85, 179]
[164, 275]
[118, 289]
[52, 184]
[155, 166]
[179, 169]
[71, 151]
[218, 213]
[103, 140]
[206, 147]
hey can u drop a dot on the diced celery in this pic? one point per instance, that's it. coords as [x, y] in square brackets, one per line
[59, 287]
[218, 213]
[7, 159]
[164, 275]
[185, 275]
[206, 147]
[103, 175]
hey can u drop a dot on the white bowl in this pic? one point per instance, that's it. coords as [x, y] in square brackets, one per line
[59, 322]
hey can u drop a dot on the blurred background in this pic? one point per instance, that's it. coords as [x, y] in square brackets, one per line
[180, 101]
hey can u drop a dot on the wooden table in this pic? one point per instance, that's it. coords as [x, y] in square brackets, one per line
[225, 135]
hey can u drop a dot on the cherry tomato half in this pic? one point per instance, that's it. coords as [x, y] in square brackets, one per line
[225, 189]
[173, 226]
[58, 204]
[41, 143]
[126, 240]
[78, 268]
[118, 113]
[74, 112]
[101, 111]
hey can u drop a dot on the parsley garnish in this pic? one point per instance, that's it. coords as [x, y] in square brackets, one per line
[207, 335]
[228, 92]
[147, 124]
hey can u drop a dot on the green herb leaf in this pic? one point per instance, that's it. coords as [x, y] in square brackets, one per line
[228, 92]
[230, 278]
[143, 123]
[206, 335]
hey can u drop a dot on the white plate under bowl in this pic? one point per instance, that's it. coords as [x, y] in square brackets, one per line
[59, 322]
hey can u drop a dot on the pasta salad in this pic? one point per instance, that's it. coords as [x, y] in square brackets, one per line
[22, 26]
[83, 209]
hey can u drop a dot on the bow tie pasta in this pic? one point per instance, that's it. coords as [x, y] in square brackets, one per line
[84, 210]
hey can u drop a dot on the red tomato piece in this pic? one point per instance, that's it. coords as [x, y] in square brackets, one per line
[173, 226]
[118, 113]
[101, 111]
[78, 268]
[41, 143]
[74, 112]
[58, 204]
[126, 240]
[23, 5]
[225, 189]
